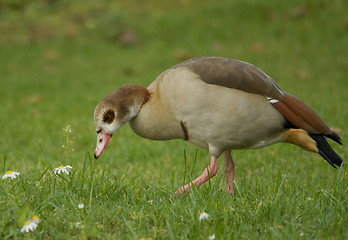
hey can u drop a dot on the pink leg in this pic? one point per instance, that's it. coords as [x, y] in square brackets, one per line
[229, 171]
[208, 173]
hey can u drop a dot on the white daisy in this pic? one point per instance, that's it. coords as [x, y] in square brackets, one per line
[10, 174]
[65, 169]
[81, 205]
[36, 219]
[29, 225]
[211, 237]
[203, 216]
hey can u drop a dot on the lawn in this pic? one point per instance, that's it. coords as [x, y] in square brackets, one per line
[58, 59]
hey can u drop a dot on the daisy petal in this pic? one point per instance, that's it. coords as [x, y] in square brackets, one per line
[62, 169]
[10, 174]
[29, 226]
[203, 216]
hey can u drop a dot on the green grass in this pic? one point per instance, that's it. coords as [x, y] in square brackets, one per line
[53, 79]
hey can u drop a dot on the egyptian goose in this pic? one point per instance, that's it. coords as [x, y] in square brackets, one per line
[216, 103]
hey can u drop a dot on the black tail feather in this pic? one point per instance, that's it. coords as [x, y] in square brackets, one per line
[325, 150]
[326, 158]
[335, 137]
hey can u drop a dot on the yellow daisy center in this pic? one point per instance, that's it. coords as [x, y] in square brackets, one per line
[60, 167]
[27, 223]
[9, 172]
[35, 217]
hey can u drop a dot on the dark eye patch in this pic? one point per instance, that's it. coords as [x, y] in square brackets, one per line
[109, 116]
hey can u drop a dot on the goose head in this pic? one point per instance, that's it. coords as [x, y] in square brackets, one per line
[115, 110]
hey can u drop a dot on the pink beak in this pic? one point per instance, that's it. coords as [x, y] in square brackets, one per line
[102, 139]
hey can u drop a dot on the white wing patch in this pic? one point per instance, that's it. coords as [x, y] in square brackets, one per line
[273, 101]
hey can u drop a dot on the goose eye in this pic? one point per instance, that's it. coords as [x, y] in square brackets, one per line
[109, 116]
